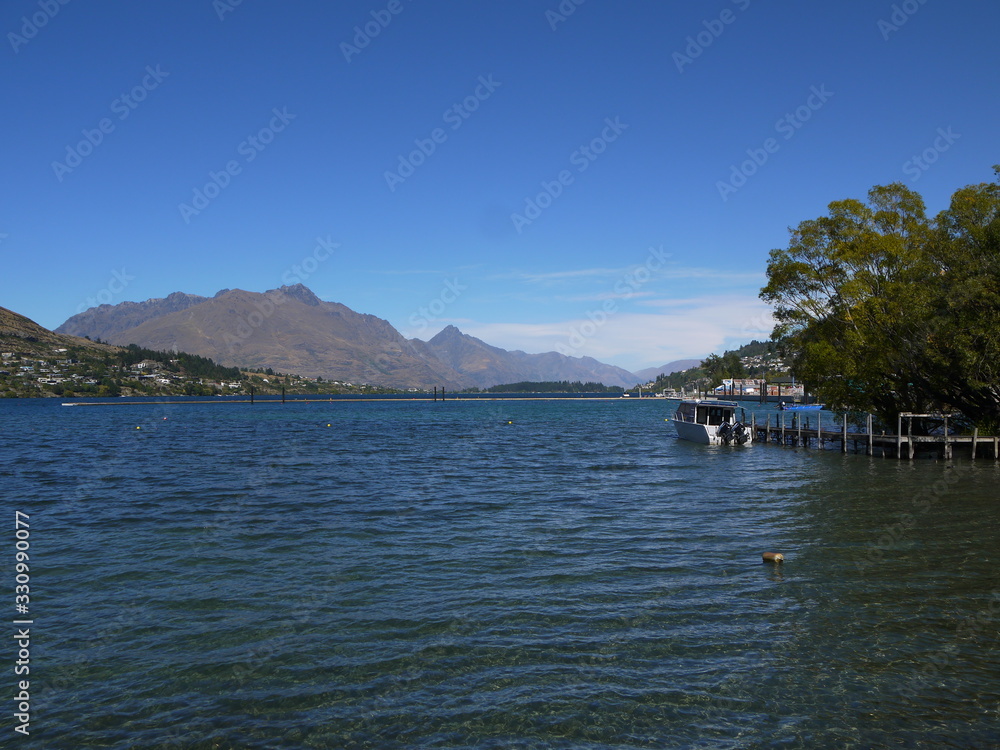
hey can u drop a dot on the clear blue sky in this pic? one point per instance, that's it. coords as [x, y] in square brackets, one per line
[438, 243]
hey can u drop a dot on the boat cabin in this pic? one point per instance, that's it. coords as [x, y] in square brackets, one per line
[711, 413]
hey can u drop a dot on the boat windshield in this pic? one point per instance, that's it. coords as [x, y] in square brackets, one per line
[685, 413]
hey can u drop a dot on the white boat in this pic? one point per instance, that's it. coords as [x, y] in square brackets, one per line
[710, 421]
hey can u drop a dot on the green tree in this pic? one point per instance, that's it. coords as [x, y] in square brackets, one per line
[717, 368]
[884, 310]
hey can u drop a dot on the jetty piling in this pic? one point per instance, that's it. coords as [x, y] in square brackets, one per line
[902, 444]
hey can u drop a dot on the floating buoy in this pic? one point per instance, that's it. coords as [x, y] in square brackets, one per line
[773, 557]
[138, 428]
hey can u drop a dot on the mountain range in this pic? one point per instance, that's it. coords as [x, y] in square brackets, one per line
[292, 330]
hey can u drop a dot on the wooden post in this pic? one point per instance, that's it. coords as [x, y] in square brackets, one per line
[767, 429]
[899, 436]
[947, 440]
[782, 428]
[798, 426]
[871, 444]
[909, 437]
[975, 439]
[843, 442]
[282, 394]
[819, 429]
[251, 394]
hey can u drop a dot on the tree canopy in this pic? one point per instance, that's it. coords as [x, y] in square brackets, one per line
[883, 309]
[719, 368]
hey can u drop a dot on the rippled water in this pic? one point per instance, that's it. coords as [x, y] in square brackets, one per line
[492, 574]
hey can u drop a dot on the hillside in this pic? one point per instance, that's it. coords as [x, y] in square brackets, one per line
[37, 362]
[25, 336]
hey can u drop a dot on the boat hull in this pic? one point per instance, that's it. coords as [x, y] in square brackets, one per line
[696, 433]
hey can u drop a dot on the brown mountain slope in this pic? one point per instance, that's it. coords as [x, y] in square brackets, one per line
[25, 336]
[290, 330]
[112, 320]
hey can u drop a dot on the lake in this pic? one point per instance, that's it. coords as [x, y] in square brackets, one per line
[490, 574]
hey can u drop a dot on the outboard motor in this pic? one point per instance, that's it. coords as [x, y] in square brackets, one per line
[740, 433]
[724, 433]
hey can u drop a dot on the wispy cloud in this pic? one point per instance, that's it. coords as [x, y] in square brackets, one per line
[601, 296]
[668, 272]
[557, 277]
[687, 328]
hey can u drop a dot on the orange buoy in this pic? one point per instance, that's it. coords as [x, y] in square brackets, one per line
[773, 557]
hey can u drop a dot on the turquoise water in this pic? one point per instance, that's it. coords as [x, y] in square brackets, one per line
[504, 574]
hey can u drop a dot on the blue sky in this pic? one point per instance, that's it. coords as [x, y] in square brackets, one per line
[598, 178]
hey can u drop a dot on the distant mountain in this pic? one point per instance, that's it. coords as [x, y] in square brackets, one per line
[288, 329]
[292, 330]
[678, 365]
[487, 365]
[112, 320]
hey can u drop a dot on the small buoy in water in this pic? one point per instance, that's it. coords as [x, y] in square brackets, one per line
[328, 425]
[510, 423]
[773, 557]
[138, 428]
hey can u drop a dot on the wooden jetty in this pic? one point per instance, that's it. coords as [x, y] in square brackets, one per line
[797, 431]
